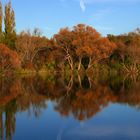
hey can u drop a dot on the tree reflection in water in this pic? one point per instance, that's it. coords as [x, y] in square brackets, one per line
[81, 98]
[16, 95]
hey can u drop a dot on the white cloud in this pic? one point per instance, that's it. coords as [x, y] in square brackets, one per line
[82, 5]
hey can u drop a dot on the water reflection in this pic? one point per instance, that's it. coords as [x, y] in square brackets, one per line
[81, 97]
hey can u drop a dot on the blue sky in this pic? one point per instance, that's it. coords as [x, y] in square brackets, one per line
[107, 16]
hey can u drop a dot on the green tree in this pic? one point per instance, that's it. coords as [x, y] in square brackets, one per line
[9, 20]
[1, 17]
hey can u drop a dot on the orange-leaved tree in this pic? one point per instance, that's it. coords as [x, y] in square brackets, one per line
[91, 44]
[63, 40]
[9, 59]
[84, 40]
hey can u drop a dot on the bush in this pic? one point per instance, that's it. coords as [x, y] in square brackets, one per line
[9, 60]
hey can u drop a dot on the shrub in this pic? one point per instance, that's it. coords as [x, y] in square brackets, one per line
[9, 59]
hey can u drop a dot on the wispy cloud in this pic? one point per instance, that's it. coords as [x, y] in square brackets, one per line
[83, 3]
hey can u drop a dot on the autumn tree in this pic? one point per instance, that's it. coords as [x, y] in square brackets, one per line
[133, 51]
[84, 40]
[91, 44]
[127, 52]
[63, 40]
[9, 20]
[104, 49]
[27, 45]
[9, 59]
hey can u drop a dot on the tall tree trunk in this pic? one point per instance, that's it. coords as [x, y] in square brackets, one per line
[70, 61]
[79, 79]
[90, 61]
[79, 65]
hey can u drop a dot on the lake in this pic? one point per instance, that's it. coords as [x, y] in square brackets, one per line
[71, 108]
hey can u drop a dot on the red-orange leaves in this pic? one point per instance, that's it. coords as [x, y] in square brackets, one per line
[83, 41]
[8, 59]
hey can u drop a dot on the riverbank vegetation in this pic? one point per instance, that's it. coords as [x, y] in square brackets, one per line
[78, 49]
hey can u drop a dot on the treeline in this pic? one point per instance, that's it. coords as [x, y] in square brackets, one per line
[77, 48]
[127, 53]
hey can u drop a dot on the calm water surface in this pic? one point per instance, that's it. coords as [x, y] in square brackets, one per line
[38, 108]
